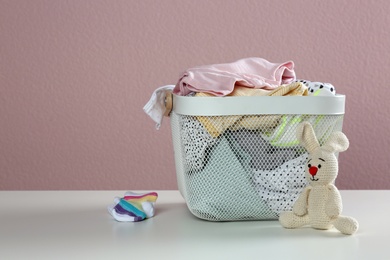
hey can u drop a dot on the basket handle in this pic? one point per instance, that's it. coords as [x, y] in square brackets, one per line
[168, 102]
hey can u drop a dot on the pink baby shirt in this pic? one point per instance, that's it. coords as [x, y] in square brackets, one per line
[220, 79]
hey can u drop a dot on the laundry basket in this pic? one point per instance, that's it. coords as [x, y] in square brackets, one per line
[237, 158]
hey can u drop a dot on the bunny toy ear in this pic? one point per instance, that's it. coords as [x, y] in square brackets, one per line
[337, 142]
[306, 137]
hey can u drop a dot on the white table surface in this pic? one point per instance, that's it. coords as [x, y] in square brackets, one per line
[76, 225]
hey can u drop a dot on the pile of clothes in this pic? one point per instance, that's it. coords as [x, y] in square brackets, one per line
[242, 166]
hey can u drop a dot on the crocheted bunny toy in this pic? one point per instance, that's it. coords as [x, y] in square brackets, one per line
[319, 205]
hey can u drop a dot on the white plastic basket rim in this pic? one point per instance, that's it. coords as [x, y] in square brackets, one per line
[224, 106]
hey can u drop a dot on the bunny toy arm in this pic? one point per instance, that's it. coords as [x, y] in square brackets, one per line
[333, 205]
[300, 206]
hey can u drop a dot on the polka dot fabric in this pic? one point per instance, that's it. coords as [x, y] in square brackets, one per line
[281, 187]
[196, 141]
[318, 88]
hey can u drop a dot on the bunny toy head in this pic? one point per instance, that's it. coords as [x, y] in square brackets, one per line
[322, 164]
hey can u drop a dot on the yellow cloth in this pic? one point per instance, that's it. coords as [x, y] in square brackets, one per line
[216, 125]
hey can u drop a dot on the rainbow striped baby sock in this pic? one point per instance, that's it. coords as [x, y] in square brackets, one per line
[133, 206]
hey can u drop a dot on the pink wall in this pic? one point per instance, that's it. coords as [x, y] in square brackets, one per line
[74, 76]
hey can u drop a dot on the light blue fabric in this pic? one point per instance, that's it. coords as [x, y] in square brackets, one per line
[223, 190]
[127, 206]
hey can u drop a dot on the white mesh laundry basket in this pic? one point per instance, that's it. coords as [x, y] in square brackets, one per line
[237, 158]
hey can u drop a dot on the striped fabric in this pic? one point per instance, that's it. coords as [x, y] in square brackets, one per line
[133, 206]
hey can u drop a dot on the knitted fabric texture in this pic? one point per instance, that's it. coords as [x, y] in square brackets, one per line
[320, 205]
